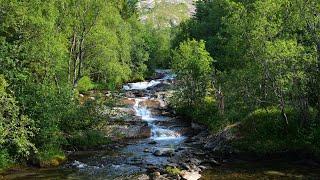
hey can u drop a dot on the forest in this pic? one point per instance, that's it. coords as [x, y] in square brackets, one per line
[253, 65]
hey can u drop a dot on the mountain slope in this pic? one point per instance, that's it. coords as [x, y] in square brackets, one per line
[165, 13]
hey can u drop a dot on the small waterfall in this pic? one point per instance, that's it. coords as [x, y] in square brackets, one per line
[158, 132]
[142, 111]
[140, 85]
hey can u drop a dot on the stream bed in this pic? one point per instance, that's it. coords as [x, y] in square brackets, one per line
[168, 137]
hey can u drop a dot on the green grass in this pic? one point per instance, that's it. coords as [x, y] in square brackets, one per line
[51, 156]
[262, 131]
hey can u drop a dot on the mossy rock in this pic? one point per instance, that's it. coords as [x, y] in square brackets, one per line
[53, 162]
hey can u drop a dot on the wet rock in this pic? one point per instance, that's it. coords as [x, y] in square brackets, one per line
[153, 142]
[151, 103]
[129, 94]
[139, 93]
[195, 161]
[174, 165]
[164, 152]
[127, 131]
[135, 161]
[160, 87]
[143, 177]
[202, 167]
[151, 168]
[198, 127]
[146, 150]
[212, 162]
[128, 101]
[185, 166]
[186, 175]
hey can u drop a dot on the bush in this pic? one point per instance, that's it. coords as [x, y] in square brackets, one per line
[85, 84]
[87, 139]
[5, 159]
[173, 170]
[51, 156]
[206, 113]
[264, 131]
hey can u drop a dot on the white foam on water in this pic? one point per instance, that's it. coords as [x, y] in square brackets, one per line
[158, 132]
[140, 85]
[142, 111]
[79, 164]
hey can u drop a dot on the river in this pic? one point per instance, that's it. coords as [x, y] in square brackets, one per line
[168, 139]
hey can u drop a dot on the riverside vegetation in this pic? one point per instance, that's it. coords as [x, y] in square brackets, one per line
[251, 62]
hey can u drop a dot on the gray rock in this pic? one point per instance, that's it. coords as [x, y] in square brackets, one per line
[146, 150]
[143, 177]
[153, 142]
[202, 167]
[185, 166]
[164, 152]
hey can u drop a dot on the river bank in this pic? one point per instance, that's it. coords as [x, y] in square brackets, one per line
[150, 142]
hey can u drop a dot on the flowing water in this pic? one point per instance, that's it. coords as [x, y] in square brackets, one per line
[132, 159]
[129, 160]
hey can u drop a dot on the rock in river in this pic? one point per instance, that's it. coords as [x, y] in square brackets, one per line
[190, 175]
[164, 152]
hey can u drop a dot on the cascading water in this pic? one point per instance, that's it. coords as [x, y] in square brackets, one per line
[158, 132]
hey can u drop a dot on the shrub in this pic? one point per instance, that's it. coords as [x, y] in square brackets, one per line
[85, 84]
[5, 159]
[264, 131]
[173, 170]
[87, 139]
[51, 156]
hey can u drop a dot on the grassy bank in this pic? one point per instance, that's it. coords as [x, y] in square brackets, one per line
[263, 131]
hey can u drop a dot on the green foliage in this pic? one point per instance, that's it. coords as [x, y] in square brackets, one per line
[89, 114]
[192, 64]
[5, 159]
[85, 84]
[48, 47]
[173, 170]
[50, 156]
[16, 129]
[87, 139]
[263, 131]
[158, 42]
[267, 55]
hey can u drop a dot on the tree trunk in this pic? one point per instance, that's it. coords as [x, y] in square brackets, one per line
[318, 80]
[73, 44]
[220, 99]
[80, 57]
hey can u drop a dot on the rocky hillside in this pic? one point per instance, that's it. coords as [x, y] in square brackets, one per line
[165, 13]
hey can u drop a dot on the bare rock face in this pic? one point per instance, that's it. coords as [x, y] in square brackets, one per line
[165, 13]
